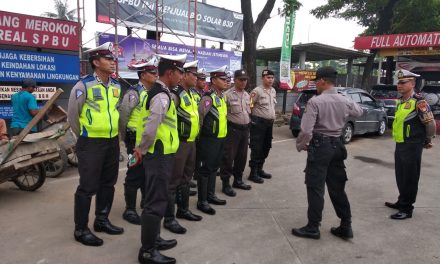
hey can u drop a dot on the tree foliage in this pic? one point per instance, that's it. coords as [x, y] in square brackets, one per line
[62, 11]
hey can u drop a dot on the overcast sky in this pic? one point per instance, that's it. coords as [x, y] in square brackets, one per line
[336, 32]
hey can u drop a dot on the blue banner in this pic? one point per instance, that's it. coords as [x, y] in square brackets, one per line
[6, 110]
[43, 67]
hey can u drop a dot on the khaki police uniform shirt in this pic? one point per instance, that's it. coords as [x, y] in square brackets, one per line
[77, 100]
[326, 114]
[263, 102]
[129, 102]
[238, 104]
[158, 108]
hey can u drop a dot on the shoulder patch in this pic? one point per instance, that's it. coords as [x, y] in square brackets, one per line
[78, 93]
[422, 106]
[207, 103]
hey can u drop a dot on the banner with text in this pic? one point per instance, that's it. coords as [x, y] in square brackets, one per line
[286, 52]
[407, 40]
[213, 23]
[303, 79]
[40, 93]
[132, 49]
[43, 67]
[32, 31]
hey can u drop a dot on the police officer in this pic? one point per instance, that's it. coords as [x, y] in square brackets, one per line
[212, 111]
[237, 139]
[199, 89]
[185, 161]
[93, 117]
[129, 116]
[413, 128]
[321, 128]
[157, 146]
[263, 100]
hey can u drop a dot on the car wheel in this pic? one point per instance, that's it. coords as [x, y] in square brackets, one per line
[347, 133]
[382, 128]
[295, 133]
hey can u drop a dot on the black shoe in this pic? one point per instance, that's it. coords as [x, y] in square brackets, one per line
[192, 193]
[392, 205]
[153, 256]
[173, 226]
[188, 215]
[215, 200]
[401, 216]
[163, 244]
[131, 216]
[107, 227]
[192, 184]
[241, 185]
[265, 175]
[342, 232]
[86, 237]
[227, 189]
[306, 232]
[206, 208]
[256, 179]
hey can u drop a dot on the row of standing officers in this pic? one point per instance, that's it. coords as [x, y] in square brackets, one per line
[172, 131]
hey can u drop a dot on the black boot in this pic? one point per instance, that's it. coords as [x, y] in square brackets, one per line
[82, 233]
[227, 189]
[262, 173]
[130, 214]
[162, 244]
[253, 176]
[183, 204]
[150, 229]
[202, 191]
[239, 184]
[192, 184]
[170, 221]
[104, 201]
[212, 198]
[153, 256]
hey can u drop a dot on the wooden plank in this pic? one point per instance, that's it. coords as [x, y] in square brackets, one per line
[36, 160]
[31, 124]
[11, 162]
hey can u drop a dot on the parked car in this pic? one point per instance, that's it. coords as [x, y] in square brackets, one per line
[374, 118]
[387, 94]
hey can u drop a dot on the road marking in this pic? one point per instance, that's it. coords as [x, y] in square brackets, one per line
[284, 140]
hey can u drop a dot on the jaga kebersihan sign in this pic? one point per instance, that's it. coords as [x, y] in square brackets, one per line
[32, 31]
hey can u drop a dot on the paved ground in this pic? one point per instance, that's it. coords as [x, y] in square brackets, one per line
[253, 227]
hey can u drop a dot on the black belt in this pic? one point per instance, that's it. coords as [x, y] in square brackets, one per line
[238, 126]
[260, 119]
[325, 138]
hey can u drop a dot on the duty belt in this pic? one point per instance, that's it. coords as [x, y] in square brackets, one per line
[238, 126]
[260, 119]
[323, 138]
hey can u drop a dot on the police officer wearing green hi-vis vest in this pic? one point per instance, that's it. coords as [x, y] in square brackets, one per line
[413, 128]
[129, 117]
[188, 128]
[213, 112]
[93, 117]
[156, 146]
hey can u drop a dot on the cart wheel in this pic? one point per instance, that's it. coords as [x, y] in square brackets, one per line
[31, 179]
[55, 167]
[72, 159]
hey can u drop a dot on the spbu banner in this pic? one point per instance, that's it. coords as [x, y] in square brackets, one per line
[213, 23]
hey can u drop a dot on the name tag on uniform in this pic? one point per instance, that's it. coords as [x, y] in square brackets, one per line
[97, 94]
[217, 101]
[186, 100]
[116, 93]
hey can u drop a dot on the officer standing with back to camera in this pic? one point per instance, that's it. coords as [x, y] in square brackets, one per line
[188, 129]
[263, 100]
[157, 146]
[94, 118]
[237, 140]
[413, 128]
[129, 117]
[213, 112]
[321, 129]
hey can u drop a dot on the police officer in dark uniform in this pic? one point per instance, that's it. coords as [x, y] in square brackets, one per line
[93, 117]
[237, 140]
[213, 112]
[188, 128]
[129, 116]
[157, 146]
[321, 129]
[263, 100]
[413, 128]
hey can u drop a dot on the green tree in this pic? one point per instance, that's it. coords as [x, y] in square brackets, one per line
[62, 11]
[251, 31]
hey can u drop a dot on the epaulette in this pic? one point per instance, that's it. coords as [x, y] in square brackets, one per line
[418, 96]
[86, 77]
[114, 81]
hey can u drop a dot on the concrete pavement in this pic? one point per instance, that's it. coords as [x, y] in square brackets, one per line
[254, 227]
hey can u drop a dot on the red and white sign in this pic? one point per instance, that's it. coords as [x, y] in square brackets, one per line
[408, 40]
[24, 30]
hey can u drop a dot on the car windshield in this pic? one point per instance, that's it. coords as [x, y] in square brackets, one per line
[384, 94]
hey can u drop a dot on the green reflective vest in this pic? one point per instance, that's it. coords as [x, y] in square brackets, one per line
[167, 130]
[215, 122]
[134, 117]
[187, 115]
[140, 125]
[99, 116]
[407, 126]
[196, 95]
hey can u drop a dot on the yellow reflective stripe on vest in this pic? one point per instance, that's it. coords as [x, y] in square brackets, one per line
[404, 112]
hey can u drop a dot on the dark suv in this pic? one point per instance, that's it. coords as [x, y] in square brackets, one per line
[374, 118]
[386, 93]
